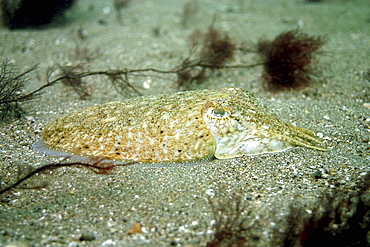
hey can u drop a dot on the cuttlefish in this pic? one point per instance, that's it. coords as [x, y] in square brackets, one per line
[192, 126]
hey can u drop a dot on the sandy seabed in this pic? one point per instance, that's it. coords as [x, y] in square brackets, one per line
[175, 205]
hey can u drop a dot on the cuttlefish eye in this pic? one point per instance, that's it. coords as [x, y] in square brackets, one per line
[220, 113]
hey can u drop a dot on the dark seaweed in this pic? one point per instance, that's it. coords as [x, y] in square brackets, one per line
[71, 77]
[340, 219]
[230, 227]
[12, 83]
[31, 13]
[98, 166]
[288, 59]
[82, 52]
[215, 51]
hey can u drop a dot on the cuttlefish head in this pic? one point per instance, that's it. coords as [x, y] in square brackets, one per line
[242, 126]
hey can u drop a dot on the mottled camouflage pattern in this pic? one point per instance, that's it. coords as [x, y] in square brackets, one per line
[186, 126]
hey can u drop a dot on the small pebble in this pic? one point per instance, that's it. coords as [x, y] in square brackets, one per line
[87, 237]
[136, 228]
[317, 174]
[210, 192]
[366, 105]
[17, 244]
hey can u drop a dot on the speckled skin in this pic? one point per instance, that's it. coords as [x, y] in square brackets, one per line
[147, 129]
[181, 127]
